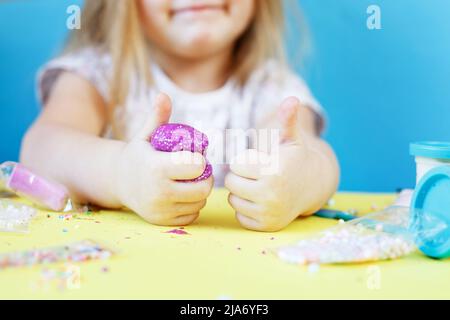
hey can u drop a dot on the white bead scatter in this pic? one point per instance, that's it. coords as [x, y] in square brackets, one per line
[379, 236]
[350, 244]
[14, 217]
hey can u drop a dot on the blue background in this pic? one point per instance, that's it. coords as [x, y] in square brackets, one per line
[381, 88]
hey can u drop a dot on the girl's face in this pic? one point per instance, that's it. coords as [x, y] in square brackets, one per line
[195, 28]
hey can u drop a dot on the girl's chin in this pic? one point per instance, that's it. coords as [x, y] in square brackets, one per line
[195, 52]
[200, 42]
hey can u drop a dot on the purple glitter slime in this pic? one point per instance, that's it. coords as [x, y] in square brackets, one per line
[173, 137]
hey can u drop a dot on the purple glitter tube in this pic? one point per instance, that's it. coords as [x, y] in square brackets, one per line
[18, 179]
[174, 137]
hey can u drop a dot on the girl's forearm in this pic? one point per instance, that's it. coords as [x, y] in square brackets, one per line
[83, 162]
[323, 173]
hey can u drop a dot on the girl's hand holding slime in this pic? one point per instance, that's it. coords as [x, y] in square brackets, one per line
[148, 180]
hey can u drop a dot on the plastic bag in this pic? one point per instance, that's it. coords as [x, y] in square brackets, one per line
[382, 235]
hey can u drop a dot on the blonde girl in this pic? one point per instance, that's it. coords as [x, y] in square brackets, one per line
[220, 66]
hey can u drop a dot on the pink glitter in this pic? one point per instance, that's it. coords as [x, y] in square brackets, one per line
[177, 231]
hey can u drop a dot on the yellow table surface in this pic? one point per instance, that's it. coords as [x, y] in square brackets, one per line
[217, 260]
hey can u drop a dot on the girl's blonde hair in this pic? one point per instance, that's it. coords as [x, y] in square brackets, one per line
[114, 26]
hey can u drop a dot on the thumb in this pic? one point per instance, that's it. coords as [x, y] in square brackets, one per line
[288, 115]
[160, 114]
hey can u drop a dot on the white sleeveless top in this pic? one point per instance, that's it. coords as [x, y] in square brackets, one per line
[231, 106]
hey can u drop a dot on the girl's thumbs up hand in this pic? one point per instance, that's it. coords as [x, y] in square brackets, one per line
[288, 115]
[147, 179]
[272, 185]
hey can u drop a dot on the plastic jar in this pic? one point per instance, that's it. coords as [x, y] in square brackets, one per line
[429, 155]
[429, 213]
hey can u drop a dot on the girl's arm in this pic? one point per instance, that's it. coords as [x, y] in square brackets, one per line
[303, 173]
[64, 142]
[64, 145]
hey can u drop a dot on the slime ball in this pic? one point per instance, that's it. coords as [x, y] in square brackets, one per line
[174, 137]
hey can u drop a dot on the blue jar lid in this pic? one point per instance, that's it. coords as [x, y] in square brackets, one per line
[430, 213]
[430, 149]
